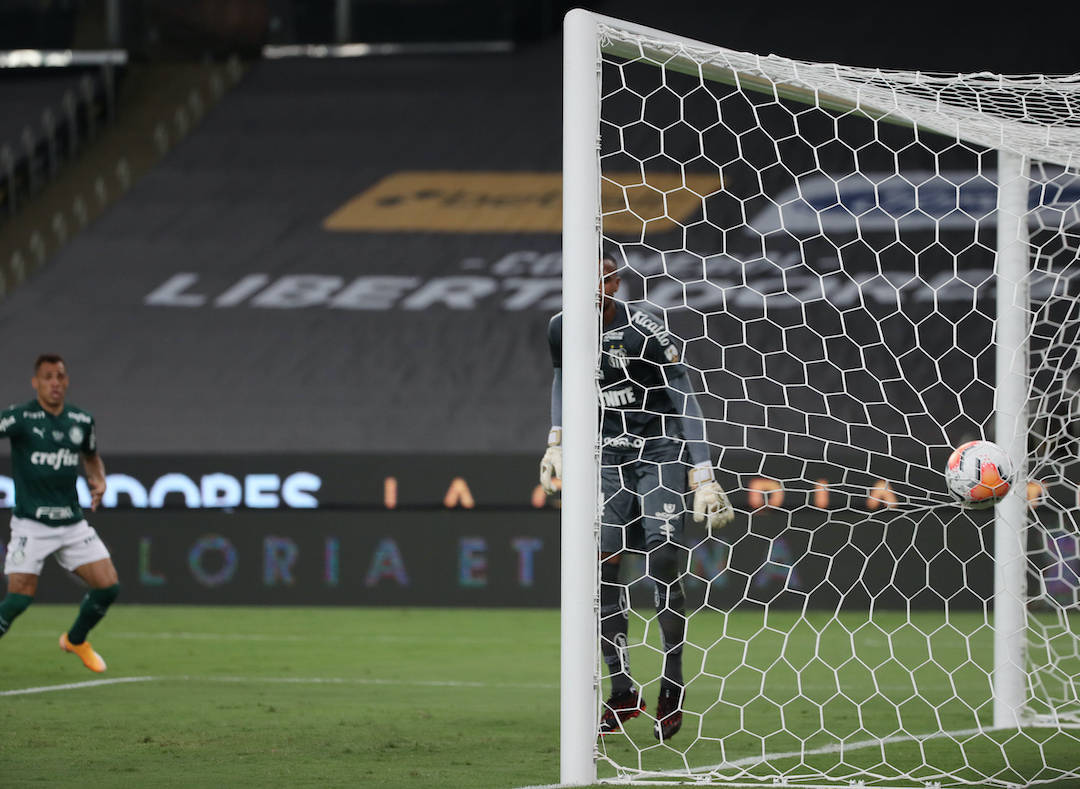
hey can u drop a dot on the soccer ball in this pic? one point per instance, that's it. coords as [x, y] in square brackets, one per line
[978, 474]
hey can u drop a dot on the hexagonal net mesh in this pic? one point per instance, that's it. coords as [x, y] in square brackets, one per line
[809, 251]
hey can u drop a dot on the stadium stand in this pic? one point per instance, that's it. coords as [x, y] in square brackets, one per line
[256, 291]
[48, 116]
[245, 196]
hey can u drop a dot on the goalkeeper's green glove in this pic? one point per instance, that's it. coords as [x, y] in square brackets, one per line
[710, 502]
[551, 464]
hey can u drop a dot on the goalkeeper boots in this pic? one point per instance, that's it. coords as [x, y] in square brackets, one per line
[91, 659]
[620, 707]
[668, 713]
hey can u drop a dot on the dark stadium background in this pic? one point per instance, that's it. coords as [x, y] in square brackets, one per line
[309, 399]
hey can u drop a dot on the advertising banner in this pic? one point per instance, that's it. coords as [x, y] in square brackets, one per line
[493, 559]
[313, 481]
[313, 558]
[477, 531]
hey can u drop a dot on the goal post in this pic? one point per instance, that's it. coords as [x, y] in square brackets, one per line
[1010, 423]
[581, 242]
[860, 269]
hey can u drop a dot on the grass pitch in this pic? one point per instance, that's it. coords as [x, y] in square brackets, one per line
[289, 697]
[338, 697]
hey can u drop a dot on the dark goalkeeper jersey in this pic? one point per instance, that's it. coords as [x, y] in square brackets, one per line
[644, 389]
[45, 455]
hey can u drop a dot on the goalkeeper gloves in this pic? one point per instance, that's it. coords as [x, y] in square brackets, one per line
[710, 502]
[551, 464]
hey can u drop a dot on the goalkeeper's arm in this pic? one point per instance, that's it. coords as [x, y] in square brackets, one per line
[551, 464]
[710, 502]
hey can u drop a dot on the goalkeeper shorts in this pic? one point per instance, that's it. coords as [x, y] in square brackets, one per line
[644, 504]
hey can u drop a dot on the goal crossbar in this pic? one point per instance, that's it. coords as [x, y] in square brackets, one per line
[852, 89]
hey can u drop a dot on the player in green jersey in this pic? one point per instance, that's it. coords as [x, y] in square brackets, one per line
[48, 438]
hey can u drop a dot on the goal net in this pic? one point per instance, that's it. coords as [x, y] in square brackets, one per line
[860, 270]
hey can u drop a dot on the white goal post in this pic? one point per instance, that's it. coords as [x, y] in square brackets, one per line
[1010, 422]
[937, 722]
[581, 240]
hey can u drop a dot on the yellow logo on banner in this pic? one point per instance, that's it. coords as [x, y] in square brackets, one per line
[518, 202]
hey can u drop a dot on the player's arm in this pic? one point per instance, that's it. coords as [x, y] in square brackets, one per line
[10, 424]
[710, 502]
[551, 463]
[94, 466]
[95, 477]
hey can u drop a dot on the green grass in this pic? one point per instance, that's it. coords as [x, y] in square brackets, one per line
[328, 697]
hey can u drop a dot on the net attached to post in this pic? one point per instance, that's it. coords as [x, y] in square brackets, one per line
[818, 244]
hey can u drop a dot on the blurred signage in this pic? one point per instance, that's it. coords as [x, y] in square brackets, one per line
[478, 482]
[465, 540]
[304, 482]
[488, 559]
[532, 280]
[887, 202]
[332, 558]
[517, 202]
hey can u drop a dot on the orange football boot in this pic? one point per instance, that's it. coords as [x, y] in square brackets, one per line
[91, 659]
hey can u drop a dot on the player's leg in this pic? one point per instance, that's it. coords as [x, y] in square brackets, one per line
[27, 550]
[614, 616]
[21, 588]
[663, 487]
[625, 701]
[614, 624]
[104, 585]
[86, 555]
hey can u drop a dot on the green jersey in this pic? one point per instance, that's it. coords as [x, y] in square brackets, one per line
[45, 454]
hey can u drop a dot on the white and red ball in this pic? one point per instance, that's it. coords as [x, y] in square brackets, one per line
[978, 474]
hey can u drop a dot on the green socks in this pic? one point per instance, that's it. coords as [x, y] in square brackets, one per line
[10, 607]
[94, 605]
[93, 608]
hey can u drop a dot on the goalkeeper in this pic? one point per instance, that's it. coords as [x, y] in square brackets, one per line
[654, 449]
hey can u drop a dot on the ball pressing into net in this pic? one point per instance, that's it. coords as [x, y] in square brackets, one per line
[978, 474]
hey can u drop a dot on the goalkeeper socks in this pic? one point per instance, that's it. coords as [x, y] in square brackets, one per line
[10, 607]
[614, 622]
[93, 608]
[670, 607]
[664, 562]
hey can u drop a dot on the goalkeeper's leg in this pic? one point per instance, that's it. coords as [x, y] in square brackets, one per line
[665, 568]
[625, 701]
[664, 508]
[620, 507]
[614, 623]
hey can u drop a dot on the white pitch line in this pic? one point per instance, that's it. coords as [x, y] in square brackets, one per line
[289, 681]
[193, 636]
[92, 683]
[182, 636]
[858, 745]
[748, 761]
[433, 683]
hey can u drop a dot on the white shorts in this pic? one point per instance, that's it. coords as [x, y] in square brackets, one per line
[32, 543]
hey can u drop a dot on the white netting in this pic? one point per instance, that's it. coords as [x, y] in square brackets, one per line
[820, 242]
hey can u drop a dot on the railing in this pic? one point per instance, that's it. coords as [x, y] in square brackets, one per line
[24, 174]
[30, 162]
